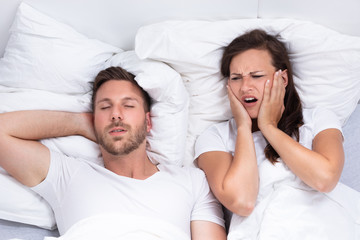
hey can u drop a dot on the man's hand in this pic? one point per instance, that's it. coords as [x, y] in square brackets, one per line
[88, 126]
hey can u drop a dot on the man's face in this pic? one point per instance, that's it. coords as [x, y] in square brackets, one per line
[120, 121]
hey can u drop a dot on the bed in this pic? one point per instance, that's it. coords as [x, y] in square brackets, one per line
[51, 50]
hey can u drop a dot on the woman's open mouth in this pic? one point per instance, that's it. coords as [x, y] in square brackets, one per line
[250, 99]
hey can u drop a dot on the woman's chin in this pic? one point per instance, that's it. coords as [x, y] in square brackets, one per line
[253, 115]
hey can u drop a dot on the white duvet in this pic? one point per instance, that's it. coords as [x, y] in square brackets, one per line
[124, 227]
[288, 209]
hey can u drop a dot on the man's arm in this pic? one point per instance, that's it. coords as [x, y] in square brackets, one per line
[204, 230]
[21, 155]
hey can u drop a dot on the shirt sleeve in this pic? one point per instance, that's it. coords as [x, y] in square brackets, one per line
[54, 185]
[325, 119]
[206, 207]
[209, 140]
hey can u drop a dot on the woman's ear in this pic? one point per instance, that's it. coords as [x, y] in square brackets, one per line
[284, 75]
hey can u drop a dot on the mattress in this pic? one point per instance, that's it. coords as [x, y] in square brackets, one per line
[14, 230]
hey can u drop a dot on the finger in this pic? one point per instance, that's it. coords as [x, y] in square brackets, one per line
[282, 109]
[267, 91]
[231, 94]
[237, 108]
[231, 98]
[281, 86]
[278, 86]
[282, 81]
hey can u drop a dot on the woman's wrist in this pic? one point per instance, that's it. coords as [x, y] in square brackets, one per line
[268, 130]
[243, 128]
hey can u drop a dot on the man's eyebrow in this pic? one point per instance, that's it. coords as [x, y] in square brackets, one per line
[130, 99]
[123, 99]
[103, 100]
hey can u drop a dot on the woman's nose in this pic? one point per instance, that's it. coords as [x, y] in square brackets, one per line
[246, 84]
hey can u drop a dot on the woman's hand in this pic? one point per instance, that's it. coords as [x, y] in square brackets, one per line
[272, 105]
[240, 114]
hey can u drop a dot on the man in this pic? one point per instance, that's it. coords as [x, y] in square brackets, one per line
[129, 184]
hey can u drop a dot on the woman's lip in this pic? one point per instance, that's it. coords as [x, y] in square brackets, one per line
[248, 105]
[249, 100]
[248, 97]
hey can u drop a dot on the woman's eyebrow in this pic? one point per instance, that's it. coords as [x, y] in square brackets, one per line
[259, 71]
[254, 72]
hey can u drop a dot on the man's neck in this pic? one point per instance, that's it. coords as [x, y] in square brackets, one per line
[135, 165]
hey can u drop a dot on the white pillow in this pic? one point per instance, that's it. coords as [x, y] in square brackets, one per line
[34, 77]
[42, 52]
[21, 204]
[326, 64]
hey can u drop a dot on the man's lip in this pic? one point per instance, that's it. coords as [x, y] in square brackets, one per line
[117, 130]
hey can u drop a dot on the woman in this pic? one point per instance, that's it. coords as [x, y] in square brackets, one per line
[270, 140]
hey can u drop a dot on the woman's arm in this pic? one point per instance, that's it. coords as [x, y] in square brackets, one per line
[321, 167]
[234, 180]
[22, 156]
[205, 230]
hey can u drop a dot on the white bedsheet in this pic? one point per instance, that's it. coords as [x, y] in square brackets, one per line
[124, 227]
[309, 214]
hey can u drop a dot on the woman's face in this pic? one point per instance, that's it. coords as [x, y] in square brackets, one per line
[249, 71]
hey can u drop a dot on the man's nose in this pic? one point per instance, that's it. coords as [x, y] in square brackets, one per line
[116, 115]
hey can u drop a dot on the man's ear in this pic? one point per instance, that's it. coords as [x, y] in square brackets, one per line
[284, 75]
[148, 121]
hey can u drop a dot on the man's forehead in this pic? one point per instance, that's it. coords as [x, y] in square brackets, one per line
[118, 89]
[124, 99]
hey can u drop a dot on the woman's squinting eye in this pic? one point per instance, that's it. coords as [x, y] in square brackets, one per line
[235, 78]
[258, 76]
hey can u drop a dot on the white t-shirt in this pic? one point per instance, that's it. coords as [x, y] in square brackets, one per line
[77, 189]
[222, 136]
